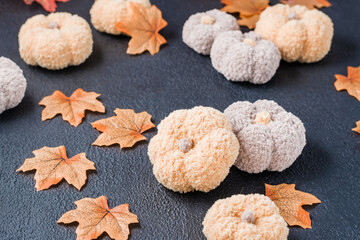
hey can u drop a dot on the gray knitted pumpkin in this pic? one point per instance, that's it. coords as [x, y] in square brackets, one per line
[201, 29]
[12, 84]
[270, 138]
[245, 57]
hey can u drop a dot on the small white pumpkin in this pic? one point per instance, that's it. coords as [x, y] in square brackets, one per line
[12, 84]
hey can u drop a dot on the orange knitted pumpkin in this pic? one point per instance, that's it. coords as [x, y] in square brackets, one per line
[245, 217]
[193, 150]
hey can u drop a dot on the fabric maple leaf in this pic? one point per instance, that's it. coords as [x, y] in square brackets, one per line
[71, 108]
[245, 7]
[357, 128]
[124, 129]
[52, 165]
[143, 25]
[351, 83]
[311, 4]
[290, 201]
[95, 217]
[249, 22]
[48, 5]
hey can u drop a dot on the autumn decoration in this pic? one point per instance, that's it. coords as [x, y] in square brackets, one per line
[95, 217]
[12, 84]
[249, 10]
[193, 149]
[245, 217]
[311, 4]
[55, 41]
[270, 137]
[71, 108]
[48, 5]
[245, 7]
[249, 22]
[290, 202]
[350, 83]
[302, 35]
[237, 48]
[357, 128]
[52, 165]
[125, 128]
[105, 13]
[202, 28]
[143, 25]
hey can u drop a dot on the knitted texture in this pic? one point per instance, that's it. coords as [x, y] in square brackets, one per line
[301, 34]
[210, 150]
[12, 84]
[200, 29]
[55, 41]
[270, 138]
[225, 220]
[106, 13]
[245, 57]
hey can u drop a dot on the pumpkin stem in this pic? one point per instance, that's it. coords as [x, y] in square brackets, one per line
[53, 25]
[293, 16]
[206, 19]
[262, 118]
[248, 216]
[249, 41]
[185, 144]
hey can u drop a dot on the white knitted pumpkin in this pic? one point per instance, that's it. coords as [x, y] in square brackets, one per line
[245, 57]
[12, 84]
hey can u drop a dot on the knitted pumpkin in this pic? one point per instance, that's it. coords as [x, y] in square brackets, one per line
[106, 13]
[55, 41]
[245, 217]
[193, 150]
[245, 57]
[12, 84]
[270, 138]
[201, 29]
[301, 34]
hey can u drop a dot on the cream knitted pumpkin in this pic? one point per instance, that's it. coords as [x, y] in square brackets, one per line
[106, 13]
[300, 34]
[55, 41]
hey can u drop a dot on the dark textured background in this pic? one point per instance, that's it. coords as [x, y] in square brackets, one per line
[175, 78]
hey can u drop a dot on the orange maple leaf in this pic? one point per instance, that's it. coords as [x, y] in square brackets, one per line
[351, 83]
[245, 7]
[249, 22]
[71, 108]
[48, 5]
[52, 165]
[311, 4]
[95, 217]
[357, 128]
[143, 25]
[290, 201]
[124, 129]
